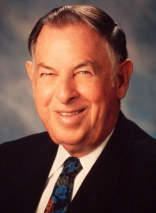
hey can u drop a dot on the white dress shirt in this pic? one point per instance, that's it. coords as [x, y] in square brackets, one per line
[87, 162]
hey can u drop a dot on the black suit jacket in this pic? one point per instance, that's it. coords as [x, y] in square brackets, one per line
[123, 179]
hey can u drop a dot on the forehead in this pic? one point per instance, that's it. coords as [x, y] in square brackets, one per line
[69, 33]
[77, 26]
[71, 44]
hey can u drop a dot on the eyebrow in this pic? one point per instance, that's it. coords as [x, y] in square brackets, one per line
[44, 66]
[86, 63]
[80, 65]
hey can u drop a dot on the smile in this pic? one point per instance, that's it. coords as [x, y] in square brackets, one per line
[71, 113]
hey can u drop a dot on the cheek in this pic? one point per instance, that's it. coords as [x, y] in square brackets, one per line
[102, 96]
[43, 95]
[93, 92]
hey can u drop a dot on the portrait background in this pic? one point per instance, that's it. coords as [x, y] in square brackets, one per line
[137, 18]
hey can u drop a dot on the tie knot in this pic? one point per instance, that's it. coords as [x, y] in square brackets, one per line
[72, 165]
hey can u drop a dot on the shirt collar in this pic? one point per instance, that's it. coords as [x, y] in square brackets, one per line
[61, 156]
[86, 161]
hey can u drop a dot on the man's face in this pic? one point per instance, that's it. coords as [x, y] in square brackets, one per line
[71, 77]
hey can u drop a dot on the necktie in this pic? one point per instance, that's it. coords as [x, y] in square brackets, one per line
[63, 188]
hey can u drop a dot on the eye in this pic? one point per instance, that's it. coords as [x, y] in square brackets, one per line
[85, 72]
[46, 74]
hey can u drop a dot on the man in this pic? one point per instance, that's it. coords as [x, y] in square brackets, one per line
[79, 73]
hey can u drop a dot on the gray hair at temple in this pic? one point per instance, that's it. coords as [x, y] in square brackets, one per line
[93, 17]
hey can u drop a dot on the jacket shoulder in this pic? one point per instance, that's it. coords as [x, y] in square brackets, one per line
[30, 142]
[131, 130]
[26, 151]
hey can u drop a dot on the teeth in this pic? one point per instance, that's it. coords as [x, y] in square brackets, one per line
[69, 113]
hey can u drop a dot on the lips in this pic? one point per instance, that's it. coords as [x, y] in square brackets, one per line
[69, 118]
[70, 113]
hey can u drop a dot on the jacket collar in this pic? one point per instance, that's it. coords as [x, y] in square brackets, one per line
[102, 180]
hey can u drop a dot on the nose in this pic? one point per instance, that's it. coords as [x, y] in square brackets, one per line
[66, 91]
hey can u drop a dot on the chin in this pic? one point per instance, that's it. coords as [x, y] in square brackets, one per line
[66, 141]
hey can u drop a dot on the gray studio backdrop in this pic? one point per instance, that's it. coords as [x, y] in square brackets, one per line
[18, 117]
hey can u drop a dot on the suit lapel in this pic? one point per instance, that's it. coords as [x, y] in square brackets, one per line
[100, 185]
[38, 173]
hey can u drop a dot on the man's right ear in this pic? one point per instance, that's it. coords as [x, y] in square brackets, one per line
[29, 67]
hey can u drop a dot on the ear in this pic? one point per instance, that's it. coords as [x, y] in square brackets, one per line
[29, 67]
[123, 77]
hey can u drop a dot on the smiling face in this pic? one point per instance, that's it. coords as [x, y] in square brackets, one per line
[71, 75]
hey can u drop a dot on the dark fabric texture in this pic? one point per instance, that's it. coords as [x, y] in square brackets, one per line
[123, 179]
[62, 192]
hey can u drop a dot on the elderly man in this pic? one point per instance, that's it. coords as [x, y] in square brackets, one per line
[91, 159]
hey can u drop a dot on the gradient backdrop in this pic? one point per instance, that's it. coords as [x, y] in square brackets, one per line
[18, 116]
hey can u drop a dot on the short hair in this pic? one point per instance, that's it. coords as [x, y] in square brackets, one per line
[93, 17]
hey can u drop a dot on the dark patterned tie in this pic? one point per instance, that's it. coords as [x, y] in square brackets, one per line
[62, 192]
